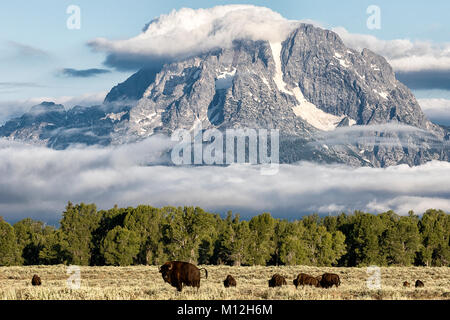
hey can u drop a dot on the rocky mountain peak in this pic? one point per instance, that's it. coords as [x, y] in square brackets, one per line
[309, 86]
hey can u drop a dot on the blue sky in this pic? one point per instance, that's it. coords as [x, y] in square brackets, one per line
[35, 44]
[40, 57]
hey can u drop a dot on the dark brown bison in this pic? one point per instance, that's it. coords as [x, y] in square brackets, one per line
[277, 281]
[178, 273]
[36, 281]
[229, 282]
[330, 279]
[419, 284]
[300, 280]
[311, 281]
[406, 284]
[305, 279]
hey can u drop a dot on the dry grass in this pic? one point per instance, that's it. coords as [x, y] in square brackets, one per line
[136, 283]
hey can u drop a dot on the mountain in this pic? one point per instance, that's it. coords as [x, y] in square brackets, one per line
[330, 103]
[50, 124]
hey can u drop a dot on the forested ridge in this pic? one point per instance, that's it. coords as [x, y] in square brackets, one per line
[151, 236]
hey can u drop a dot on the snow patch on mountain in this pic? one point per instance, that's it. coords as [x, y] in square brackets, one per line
[278, 76]
[382, 94]
[306, 110]
[114, 116]
[225, 79]
[342, 62]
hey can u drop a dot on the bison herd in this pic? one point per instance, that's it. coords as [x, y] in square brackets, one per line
[179, 274]
[419, 284]
[327, 280]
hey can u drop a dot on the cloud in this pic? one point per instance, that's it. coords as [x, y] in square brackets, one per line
[11, 109]
[38, 182]
[9, 87]
[437, 110]
[86, 73]
[389, 134]
[404, 55]
[27, 51]
[187, 32]
[425, 79]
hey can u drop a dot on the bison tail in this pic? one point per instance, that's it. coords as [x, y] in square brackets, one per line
[206, 272]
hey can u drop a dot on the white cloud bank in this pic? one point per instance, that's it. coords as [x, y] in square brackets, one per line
[38, 182]
[188, 32]
[438, 110]
[403, 54]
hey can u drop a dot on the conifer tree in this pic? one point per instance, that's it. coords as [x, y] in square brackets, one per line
[9, 251]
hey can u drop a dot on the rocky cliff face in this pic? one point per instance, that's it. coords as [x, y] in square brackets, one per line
[330, 103]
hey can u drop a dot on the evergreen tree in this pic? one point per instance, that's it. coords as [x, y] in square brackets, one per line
[262, 244]
[77, 226]
[401, 239]
[185, 231]
[208, 243]
[293, 246]
[363, 232]
[322, 248]
[9, 251]
[435, 230]
[331, 223]
[108, 220]
[234, 242]
[278, 236]
[147, 235]
[147, 223]
[31, 236]
[120, 247]
[54, 249]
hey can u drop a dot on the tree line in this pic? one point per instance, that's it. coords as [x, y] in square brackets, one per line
[151, 236]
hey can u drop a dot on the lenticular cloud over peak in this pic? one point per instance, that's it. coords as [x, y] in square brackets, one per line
[188, 32]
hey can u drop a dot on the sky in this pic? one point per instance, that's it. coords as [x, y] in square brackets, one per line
[39, 55]
[42, 59]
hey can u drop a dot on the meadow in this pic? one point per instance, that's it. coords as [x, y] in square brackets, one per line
[146, 283]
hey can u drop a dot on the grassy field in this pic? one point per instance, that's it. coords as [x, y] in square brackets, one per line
[130, 283]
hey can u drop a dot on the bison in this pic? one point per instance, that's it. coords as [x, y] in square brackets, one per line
[419, 284]
[36, 281]
[300, 280]
[229, 282]
[329, 280]
[406, 284]
[178, 273]
[305, 279]
[311, 281]
[277, 281]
